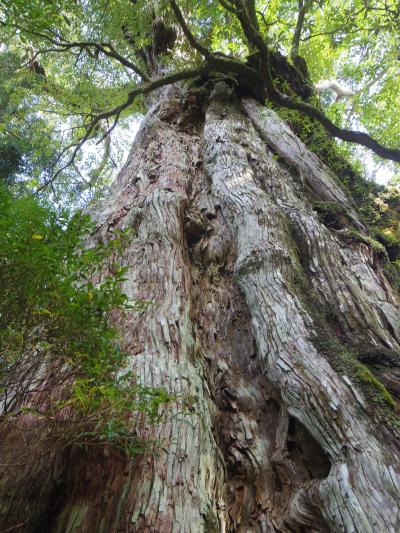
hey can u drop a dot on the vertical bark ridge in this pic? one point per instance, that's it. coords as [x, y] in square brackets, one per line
[348, 279]
[314, 394]
[176, 490]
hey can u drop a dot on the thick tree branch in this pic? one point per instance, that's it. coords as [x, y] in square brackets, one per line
[251, 32]
[304, 6]
[188, 33]
[226, 5]
[250, 6]
[357, 137]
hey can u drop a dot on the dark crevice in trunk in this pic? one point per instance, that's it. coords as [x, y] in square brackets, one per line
[257, 490]
[305, 450]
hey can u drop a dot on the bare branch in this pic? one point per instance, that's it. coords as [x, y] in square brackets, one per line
[264, 20]
[334, 85]
[105, 48]
[62, 45]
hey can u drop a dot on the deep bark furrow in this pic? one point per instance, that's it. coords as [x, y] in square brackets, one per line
[315, 395]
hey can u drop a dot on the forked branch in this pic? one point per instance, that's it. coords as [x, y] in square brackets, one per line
[246, 13]
[358, 137]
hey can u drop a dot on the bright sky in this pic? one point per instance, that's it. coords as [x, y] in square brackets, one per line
[383, 175]
[126, 134]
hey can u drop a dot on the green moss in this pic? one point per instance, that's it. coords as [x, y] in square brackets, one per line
[211, 523]
[332, 214]
[390, 239]
[76, 516]
[392, 273]
[380, 392]
[355, 236]
[334, 156]
[213, 272]
[328, 343]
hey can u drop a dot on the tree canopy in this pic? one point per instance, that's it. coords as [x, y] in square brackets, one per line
[72, 70]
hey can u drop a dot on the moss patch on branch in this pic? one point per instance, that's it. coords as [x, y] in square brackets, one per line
[379, 391]
[332, 214]
[327, 340]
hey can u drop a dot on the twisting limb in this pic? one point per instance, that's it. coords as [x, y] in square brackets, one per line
[250, 6]
[189, 35]
[252, 33]
[254, 38]
[105, 48]
[62, 45]
[357, 137]
[265, 22]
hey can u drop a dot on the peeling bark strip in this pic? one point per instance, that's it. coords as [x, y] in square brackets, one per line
[276, 440]
[362, 476]
[347, 279]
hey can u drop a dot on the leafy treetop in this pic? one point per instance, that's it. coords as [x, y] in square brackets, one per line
[78, 67]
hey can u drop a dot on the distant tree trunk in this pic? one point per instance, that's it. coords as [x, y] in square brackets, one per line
[255, 306]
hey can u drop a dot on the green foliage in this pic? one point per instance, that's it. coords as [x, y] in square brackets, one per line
[353, 235]
[356, 42]
[211, 523]
[65, 85]
[386, 220]
[55, 308]
[26, 140]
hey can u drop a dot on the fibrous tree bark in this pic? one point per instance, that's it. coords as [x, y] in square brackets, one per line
[256, 306]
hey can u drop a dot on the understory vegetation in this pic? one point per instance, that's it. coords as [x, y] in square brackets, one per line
[55, 312]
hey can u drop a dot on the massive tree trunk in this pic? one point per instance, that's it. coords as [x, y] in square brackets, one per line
[255, 308]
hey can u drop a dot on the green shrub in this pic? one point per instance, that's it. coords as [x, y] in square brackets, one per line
[55, 304]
